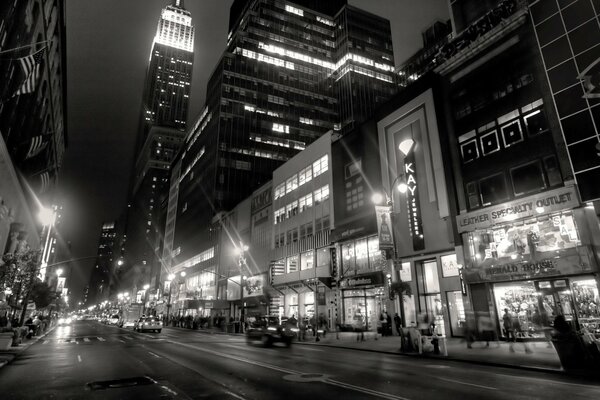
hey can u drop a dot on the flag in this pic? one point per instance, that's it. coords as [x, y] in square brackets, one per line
[36, 145]
[44, 181]
[31, 69]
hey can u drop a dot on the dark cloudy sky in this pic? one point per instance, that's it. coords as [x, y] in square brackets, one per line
[108, 46]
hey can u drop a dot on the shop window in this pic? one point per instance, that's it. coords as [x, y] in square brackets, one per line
[361, 253]
[528, 178]
[536, 122]
[493, 189]
[489, 143]
[405, 273]
[292, 264]
[456, 312]
[469, 151]
[545, 237]
[473, 195]
[376, 258]
[511, 133]
[291, 301]
[552, 171]
[348, 260]
[323, 257]
[307, 260]
[309, 304]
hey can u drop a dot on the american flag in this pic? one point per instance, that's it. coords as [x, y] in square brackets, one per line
[36, 145]
[31, 69]
[44, 181]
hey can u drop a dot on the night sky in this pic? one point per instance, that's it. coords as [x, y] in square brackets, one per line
[108, 46]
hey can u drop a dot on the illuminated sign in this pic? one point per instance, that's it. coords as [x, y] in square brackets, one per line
[477, 29]
[415, 223]
[546, 202]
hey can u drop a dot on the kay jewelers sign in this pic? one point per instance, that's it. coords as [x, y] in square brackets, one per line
[546, 202]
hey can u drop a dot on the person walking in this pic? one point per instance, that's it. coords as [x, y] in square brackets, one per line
[398, 324]
[360, 328]
[301, 328]
[383, 318]
[507, 324]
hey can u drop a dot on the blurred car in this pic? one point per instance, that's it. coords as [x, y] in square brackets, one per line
[148, 324]
[64, 321]
[114, 320]
[268, 330]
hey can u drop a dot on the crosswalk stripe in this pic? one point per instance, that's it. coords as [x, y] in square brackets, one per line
[101, 339]
[86, 339]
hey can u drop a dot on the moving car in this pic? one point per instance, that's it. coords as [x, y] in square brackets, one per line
[64, 321]
[148, 324]
[268, 330]
[114, 319]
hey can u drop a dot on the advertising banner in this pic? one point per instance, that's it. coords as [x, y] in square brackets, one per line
[60, 284]
[384, 227]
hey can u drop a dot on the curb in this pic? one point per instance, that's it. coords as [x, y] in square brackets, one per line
[15, 355]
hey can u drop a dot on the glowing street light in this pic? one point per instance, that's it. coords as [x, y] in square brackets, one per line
[47, 216]
[146, 286]
[59, 272]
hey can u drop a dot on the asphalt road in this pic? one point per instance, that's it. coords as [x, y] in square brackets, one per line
[76, 362]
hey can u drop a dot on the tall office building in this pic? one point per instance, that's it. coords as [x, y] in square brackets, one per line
[98, 286]
[161, 131]
[292, 70]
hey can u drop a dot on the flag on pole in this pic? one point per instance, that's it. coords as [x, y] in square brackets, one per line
[31, 69]
[44, 181]
[36, 145]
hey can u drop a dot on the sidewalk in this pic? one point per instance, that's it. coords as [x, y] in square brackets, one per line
[542, 358]
[7, 356]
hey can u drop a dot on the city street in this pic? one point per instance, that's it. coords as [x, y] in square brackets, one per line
[73, 362]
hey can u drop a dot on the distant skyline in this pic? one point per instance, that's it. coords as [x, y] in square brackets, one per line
[108, 45]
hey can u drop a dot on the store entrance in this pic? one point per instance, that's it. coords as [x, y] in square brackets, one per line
[554, 299]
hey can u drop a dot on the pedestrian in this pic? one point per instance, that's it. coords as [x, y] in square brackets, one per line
[486, 329]
[388, 319]
[360, 328]
[398, 324]
[508, 325]
[301, 328]
[323, 324]
[37, 324]
[383, 318]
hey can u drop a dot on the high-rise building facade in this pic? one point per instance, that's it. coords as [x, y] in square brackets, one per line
[101, 273]
[161, 131]
[291, 72]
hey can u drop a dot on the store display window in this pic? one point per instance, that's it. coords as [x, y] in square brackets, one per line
[291, 305]
[522, 302]
[309, 304]
[547, 236]
[587, 304]
[362, 255]
[307, 260]
[456, 311]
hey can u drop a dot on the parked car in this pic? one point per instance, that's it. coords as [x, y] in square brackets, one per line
[114, 319]
[268, 330]
[148, 324]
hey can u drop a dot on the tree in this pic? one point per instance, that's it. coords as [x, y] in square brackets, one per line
[19, 273]
[41, 295]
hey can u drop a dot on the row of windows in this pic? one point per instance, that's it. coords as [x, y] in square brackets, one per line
[304, 176]
[303, 232]
[301, 205]
[505, 131]
[532, 177]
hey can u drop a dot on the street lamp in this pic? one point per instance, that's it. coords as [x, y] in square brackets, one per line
[170, 279]
[59, 272]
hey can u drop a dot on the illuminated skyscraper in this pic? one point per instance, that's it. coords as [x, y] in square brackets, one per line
[161, 130]
[292, 71]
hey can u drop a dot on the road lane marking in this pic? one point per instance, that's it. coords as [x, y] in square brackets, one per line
[78, 358]
[122, 341]
[467, 383]
[311, 349]
[155, 355]
[292, 372]
[101, 339]
[45, 341]
[548, 381]
[86, 339]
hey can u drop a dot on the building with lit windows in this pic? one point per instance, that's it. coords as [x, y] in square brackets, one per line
[302, 221]
[523, 154]
[292, 71]
[161, 133]
[100, 279]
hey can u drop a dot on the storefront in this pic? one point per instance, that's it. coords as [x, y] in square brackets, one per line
[363, 300]
[534, 258]
[436, 292]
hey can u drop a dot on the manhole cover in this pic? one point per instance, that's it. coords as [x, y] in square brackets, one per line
[306, 377]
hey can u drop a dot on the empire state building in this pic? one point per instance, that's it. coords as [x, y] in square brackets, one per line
[161, 132]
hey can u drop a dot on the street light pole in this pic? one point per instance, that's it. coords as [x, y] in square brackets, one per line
[171, 277]
[241, 263]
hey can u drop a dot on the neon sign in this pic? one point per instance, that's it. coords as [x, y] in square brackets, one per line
[415, 223]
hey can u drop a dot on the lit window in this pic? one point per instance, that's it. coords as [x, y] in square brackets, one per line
[281, 128]
[291, 184]
[280, 190]
[279, 216]
[305, 175]
[321, 194]
[320, 166]
[305, 202]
